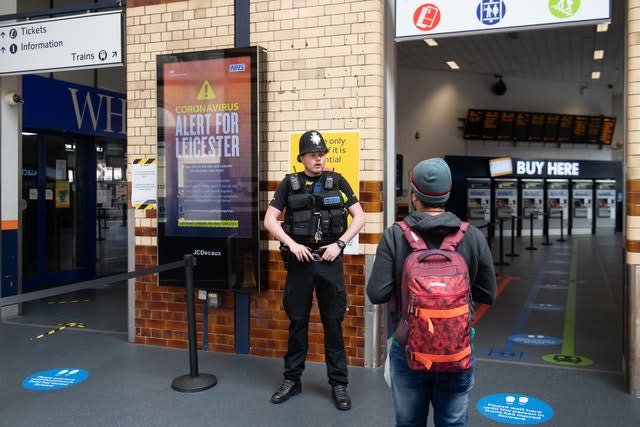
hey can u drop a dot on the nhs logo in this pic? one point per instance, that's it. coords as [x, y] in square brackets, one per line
[236, 68]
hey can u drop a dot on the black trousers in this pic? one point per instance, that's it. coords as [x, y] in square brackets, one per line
[328, 281]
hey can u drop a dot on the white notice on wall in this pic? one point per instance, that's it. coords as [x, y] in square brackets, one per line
[144, 183]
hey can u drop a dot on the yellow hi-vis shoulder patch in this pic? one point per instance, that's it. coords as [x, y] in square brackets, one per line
[206, 92]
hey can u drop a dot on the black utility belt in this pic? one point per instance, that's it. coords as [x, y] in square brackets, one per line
[313, 245]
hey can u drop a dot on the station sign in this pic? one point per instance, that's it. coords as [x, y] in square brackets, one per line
[93, 40]
[419, 19]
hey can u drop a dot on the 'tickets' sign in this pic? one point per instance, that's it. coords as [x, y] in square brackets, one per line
[208, 168]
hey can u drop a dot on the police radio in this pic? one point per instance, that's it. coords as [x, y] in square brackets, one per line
[328, 183]
[294, 181]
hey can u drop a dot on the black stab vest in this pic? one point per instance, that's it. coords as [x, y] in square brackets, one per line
[315, 216]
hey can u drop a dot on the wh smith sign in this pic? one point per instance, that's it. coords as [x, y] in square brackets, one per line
[73, 108]
[419, 19]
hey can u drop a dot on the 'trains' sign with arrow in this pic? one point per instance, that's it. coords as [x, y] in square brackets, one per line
[91, 40]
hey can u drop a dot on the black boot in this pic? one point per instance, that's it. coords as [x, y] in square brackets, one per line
[341, 397]
[287, 389]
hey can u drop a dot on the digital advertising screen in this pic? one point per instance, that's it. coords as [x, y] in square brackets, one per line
[208, 170]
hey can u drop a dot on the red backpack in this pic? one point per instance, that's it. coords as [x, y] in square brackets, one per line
[435, 322]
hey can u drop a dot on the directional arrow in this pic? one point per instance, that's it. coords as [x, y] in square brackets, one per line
[114, 54]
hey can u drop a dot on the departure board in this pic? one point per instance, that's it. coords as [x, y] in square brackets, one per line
[551, 123]
[505, 125]
[473, 124]
[593, 130]
[521, 126]
[565, 128]
[516, 126]
[606, 131]
[536, 127]
[579, 129]
[490, 127]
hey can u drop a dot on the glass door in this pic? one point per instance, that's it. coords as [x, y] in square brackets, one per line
[56, 220]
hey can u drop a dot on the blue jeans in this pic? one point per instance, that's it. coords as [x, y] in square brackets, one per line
[448, 392]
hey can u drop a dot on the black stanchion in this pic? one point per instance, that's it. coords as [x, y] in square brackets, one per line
[546, 230]
[194, 381]
[502, 261]
[513, 238]
[562, 239]
[531, 247]
[100, 220]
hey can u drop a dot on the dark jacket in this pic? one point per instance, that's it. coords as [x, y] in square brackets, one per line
[393, 248]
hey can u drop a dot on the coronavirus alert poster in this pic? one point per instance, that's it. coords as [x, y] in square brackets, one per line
[207, 114]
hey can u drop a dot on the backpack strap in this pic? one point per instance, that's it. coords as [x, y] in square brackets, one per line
[451, 241]
[428, 359]
[415, 240]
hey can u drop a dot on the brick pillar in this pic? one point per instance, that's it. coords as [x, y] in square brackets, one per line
[632, 197]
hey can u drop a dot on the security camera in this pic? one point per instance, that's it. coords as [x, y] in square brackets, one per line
[13, 99]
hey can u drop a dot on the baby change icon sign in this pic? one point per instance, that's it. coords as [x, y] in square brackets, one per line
[513, 408]
[55, 379]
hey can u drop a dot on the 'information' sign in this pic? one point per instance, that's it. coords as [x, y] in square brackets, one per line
[67, 43]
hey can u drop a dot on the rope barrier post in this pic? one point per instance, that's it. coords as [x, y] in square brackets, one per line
[513, 237]
[194, 381]
[501, 262]
[545, 230]
[562, 239]
[531, 247]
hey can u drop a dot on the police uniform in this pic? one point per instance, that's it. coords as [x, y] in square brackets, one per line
[315, 216]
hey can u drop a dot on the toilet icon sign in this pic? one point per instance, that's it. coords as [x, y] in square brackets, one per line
[55, 379]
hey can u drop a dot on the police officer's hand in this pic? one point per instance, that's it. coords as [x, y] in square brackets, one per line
[301, 252]
[331, 252]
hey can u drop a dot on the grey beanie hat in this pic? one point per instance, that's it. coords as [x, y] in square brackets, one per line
[431, 181]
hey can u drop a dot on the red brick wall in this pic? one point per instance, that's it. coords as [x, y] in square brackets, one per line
[161, 317]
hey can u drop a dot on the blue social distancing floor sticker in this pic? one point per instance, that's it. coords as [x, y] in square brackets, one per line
[513, 408]
[531, 339]
[55, 379]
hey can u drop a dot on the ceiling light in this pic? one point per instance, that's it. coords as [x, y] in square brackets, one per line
[595, 75]
[598, 54]
[431, 42]
[602, 28]
[453, 65]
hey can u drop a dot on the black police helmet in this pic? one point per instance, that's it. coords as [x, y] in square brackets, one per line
[312, 142]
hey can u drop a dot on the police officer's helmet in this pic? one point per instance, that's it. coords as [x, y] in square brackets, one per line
[311, 142]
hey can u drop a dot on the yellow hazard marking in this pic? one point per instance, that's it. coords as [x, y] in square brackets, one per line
[206, 92]
[144, 161]
[62, 327]
[145, 206]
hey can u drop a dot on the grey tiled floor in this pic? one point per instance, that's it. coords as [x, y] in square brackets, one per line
[129, 384]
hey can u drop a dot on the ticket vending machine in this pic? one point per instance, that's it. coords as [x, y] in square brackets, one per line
[581, 206]
[605, 212]
[505, 203]
[557, 201]
[532, 202]
[478, 201]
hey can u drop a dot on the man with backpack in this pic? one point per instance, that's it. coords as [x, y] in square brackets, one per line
[431, 267]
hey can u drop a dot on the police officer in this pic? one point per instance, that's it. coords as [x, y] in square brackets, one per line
[312, 238]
